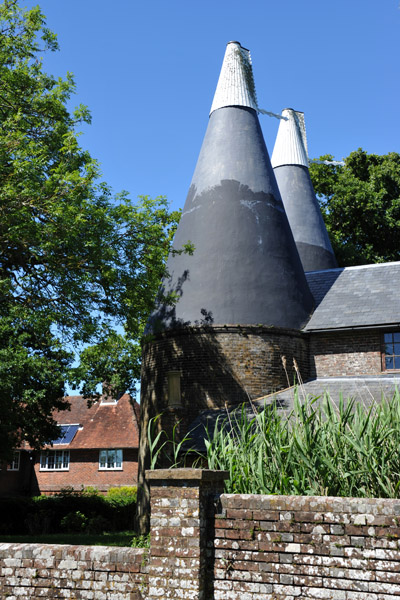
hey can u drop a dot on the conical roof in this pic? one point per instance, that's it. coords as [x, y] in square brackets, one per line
[245, 268]
[290, 163]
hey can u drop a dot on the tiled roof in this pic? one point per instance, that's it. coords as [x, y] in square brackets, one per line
[355, 296]
[103, 425]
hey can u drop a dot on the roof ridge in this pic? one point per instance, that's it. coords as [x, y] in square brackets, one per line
[355, 267]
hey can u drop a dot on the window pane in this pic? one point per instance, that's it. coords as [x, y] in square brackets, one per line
[110, 459]
[50, 461]
[396, 337]
[174, 388]
[397, 362]
[15, 463]
[389, 362]
[103, 459]
[66, 459]
[58, 459]
[118, 459]
[396, 348]
[389, 349]
[42, 460]
[388, 337]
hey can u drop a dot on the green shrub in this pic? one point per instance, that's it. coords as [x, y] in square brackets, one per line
[121, 496]
[13, 514]
[122, 502]
[90, 490]
[97, 524]
[40, 522]
[66, 491]
[53, 514]
[140, 541]
[74, 522]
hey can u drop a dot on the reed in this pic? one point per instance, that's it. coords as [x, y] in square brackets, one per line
[320, 448]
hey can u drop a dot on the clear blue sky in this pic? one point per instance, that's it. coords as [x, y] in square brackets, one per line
[148, 72]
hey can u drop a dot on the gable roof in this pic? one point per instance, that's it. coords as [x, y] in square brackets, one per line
[350, 297]
[103, 425]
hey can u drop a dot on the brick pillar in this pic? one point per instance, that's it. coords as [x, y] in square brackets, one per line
[181, 501]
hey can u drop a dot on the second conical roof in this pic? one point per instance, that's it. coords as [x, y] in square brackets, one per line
[245, 268]
[290, 162]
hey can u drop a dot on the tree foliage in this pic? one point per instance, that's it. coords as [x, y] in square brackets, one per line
[360, 202]
[79, 267]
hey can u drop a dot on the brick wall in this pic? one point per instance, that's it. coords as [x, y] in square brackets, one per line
[278, 547]
[206, 545]
[84, 471]
[77, 572]
[14, 483]
[306, 547]
[347, 353]
[220, 364]
[181, 503]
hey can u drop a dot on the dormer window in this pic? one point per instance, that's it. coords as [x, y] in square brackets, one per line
[110, 394]
[391, 351]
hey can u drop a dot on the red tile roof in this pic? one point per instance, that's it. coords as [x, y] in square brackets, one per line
[104, 425]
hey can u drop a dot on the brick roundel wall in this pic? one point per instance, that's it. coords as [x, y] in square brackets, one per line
[221, 364]
[217, 366]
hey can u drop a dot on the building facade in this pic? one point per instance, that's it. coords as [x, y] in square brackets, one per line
[261, 303]
[97, 447]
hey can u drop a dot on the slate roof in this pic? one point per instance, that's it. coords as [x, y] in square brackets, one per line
[103, 425]
[362, 389]
[204, 424]
[355, 297]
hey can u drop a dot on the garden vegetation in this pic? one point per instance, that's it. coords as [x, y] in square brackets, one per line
[348, 449]
[319, 448]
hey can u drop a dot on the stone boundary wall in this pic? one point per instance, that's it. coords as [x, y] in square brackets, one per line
[182, 502]
[207, 545]
[294, 547]
[72, 572]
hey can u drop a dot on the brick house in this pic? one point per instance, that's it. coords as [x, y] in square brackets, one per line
[98, 446]
[351, 344]
[261, 302]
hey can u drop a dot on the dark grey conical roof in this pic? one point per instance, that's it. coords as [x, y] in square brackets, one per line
[290, 162]
[245, 268]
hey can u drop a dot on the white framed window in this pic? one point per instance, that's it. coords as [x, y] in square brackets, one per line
[54, 460]
[14, 464]
[110, 460]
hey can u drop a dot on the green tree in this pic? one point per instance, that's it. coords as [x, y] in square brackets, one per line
[79, 268]
[360, 202]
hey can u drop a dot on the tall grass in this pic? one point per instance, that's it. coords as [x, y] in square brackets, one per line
[320, 448]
